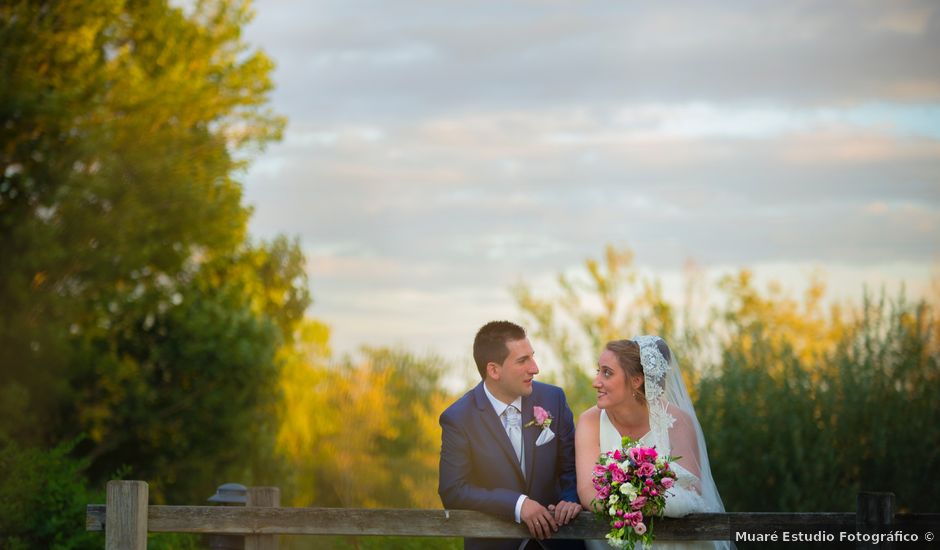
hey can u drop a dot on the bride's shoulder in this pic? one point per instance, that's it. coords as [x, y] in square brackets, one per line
[588, 429]
[590, 417]
[678, 414]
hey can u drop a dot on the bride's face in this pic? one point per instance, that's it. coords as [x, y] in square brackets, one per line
[610, 381]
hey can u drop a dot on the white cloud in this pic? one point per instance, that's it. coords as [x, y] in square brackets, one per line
[438, 153]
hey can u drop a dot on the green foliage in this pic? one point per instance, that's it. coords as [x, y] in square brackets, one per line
[116, 161]
[173, 392]
[43, 498]
[134, 312]
[175, 541]
[377, 415]
[767, 450]
[858, 418]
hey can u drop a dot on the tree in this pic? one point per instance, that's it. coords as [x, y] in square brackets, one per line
[362, 433]
[130, 295]
[819, 430]
[179, 389]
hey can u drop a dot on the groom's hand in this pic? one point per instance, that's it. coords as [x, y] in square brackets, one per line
[565, 511]
[540, 521]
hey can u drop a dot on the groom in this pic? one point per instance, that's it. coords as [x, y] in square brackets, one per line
[498, 457]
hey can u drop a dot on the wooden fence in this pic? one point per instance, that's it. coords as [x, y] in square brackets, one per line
[126, 519]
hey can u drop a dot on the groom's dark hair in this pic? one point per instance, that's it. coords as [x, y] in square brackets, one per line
[490, 343]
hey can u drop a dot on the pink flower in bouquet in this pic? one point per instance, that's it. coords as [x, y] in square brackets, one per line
[646, 469]
[638, 502]
[616, 474]
[643, 454]
[617, 455]
[633, 517]
[640, 528]
[667, 482]
[618, 524]
[603, 492]
[599, 470]
[635, 453]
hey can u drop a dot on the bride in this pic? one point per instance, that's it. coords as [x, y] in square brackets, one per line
[641, 394]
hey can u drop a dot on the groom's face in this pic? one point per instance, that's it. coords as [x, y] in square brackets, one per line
[514, 377]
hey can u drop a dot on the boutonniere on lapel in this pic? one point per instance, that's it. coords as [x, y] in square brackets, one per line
[543, 419]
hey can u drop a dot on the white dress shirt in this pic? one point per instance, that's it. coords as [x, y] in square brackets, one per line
[500, 408]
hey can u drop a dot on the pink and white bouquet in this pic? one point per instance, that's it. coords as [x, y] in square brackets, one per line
[631, 484]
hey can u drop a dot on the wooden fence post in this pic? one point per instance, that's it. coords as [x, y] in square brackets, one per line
[875, 513]
[125, 526]
[262, 497]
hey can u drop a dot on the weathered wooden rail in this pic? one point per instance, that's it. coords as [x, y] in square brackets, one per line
[126, 519]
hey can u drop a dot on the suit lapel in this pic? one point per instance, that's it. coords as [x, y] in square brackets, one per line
[529, 435]
[495, 426]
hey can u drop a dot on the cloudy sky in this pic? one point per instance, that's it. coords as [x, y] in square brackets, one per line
[438, 152]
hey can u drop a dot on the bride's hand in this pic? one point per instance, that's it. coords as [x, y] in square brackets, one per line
[565, 511]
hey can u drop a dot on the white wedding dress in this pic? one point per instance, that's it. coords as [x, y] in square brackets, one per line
[684, 497]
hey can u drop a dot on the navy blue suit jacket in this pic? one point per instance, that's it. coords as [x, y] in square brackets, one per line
[479, 469]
